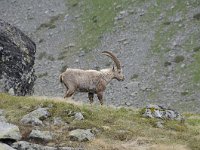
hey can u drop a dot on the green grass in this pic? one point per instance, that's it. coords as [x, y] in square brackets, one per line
[41, 75]
[112, 125]
[97, 18]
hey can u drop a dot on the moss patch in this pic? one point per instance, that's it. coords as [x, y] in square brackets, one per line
[179, 59]
[51, 23]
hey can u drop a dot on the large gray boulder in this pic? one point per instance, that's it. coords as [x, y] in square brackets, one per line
[9, 131]
[17, 55]
[35, 117]
[5, 147]
[81, 135]
[43, 135]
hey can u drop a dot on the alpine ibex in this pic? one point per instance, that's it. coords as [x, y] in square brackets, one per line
[91, 81]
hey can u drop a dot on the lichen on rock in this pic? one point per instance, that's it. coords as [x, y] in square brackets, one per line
[17, 56]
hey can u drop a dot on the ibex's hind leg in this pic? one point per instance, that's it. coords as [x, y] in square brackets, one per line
[91, 96]
[100, 97]
[69, 93]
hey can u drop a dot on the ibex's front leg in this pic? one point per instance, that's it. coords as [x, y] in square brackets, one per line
[100, 97]
[91, 96]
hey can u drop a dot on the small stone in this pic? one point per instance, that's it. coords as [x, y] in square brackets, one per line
[150, 106]
[78, 116]
[57, 121]
[159, 124]
[11, 91]
[182, 65]
[76, 61]
[127, 103]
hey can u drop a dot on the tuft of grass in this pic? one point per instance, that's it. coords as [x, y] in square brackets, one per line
[41, 75]
[179, 59]
[63, 68]
[196, 49]
[134, 76]
[50, 57]
[167, 63]
[184, 93]
[42, 55]
[45, 55]
[51, 23]
[197, 16]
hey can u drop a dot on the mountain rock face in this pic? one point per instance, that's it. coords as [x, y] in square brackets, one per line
[17, 55]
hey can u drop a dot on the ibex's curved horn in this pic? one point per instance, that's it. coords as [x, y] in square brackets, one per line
[113, 57]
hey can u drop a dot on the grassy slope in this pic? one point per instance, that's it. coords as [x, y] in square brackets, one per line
[97, 17]
[117, 127]
[168, 30]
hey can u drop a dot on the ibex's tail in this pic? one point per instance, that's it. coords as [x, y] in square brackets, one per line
[60, 78]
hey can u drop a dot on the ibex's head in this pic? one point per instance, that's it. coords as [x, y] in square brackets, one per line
[117, 71]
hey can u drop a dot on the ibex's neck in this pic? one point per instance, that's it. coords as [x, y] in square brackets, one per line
[107, 75]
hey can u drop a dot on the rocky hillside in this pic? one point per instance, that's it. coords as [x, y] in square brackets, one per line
[51, 124]
[157, 42]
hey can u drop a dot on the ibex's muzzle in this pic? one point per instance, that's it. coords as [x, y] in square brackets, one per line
[123, 78]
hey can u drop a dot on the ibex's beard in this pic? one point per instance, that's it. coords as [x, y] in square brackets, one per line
[118, 79]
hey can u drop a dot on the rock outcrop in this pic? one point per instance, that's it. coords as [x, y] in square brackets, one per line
[161, 112]
[35, 117]
[17, 55]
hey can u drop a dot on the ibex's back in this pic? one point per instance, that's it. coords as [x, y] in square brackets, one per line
[81, 80]
[91, 81]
